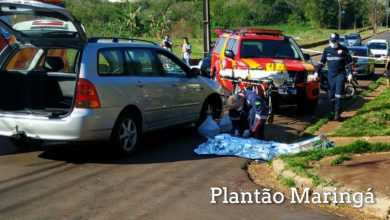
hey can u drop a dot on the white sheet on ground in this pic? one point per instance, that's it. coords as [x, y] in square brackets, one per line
[225, 144]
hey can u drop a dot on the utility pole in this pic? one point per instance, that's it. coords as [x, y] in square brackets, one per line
[206, 27]
[375, 15]
[387, 14]
[339, 15]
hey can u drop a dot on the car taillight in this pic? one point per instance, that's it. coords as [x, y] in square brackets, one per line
[86, 95]
[353, 67]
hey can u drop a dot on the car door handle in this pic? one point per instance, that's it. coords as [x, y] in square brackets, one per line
[174, 85]
[140, 85]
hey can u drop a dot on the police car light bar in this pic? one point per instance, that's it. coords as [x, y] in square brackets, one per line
[243, 31]
[259, 31]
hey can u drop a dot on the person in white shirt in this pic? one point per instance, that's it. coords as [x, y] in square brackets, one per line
[186, 51]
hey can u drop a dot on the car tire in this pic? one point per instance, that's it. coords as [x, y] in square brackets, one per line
[25, 144]
[210, 107]
[127, 133]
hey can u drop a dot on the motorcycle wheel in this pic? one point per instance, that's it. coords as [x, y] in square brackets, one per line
[349, 91]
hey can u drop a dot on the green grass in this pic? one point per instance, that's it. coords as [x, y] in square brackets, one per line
[340, 159]
[325, 119]
[373, 119]
[301, 162]
[289, 182]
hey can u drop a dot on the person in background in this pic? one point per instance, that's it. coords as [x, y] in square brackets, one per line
[167, 43]
[186, 51]
[339, 66]
[388, 71]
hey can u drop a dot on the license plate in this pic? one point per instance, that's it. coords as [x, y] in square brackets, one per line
[289, 91]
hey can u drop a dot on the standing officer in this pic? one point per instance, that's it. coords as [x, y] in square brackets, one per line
[339, 65]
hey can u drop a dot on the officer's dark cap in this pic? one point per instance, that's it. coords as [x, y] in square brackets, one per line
[334, 37]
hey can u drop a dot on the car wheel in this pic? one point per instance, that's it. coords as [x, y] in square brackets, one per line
[211, 107]
[126, 134]
[25, 144]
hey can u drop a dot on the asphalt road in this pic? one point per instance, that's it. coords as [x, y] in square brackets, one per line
[165, 179]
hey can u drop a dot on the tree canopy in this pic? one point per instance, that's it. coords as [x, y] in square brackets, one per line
[154, 18]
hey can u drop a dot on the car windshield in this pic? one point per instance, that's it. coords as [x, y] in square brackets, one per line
[342, 39]
[377, 46]
[268, 49]
[358, 52]
[353, 37]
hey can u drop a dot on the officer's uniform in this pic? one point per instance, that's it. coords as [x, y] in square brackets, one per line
[339, 62]
[257, 114]
[250, 116]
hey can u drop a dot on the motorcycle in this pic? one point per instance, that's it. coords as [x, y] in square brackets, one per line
[349, 89]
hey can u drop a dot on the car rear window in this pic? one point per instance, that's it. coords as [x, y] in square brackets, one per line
[377, 46]
[358, 52]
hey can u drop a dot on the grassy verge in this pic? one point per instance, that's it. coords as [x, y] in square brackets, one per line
[289, 182]
[325, 119]
[341, 159]
[301, 163]
[373, 119]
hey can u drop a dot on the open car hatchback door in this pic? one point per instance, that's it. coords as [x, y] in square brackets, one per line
[40, 24]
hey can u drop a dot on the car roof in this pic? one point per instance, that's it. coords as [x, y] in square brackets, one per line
[122, 42]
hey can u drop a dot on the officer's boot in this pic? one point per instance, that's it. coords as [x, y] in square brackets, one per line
[337, 116]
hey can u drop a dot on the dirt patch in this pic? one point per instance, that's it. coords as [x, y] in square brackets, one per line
[342, 141]
[262, 174]
[362, 172]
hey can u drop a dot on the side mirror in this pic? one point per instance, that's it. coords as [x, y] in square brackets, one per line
[306, 56]
[229, 54]
[194, 72]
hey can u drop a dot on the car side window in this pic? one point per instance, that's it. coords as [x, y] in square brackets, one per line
[171, 68]
[220, 43]
[230, 44]
[144, 62]
[235, 46]
[23, 59]
[111, 62]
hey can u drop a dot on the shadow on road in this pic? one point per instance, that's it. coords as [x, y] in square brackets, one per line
[174, 144]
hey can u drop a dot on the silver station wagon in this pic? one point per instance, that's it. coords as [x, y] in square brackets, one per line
[55, 84]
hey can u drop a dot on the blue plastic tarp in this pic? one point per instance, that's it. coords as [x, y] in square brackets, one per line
[225, 144]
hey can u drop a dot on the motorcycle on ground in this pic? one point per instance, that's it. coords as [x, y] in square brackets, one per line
[349, 89]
